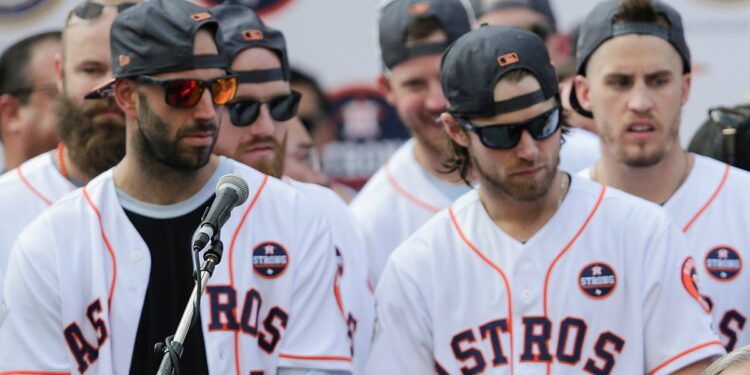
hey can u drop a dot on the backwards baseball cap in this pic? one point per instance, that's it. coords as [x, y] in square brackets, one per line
[242, 29]
[473, 65]
[157, 36]
[455, 16]
[540, 6]
[600, 26]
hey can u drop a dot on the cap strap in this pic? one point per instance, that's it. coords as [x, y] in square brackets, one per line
[208, 61]
[427, 49]
[519, 102]
[639, 28]
[261, 75]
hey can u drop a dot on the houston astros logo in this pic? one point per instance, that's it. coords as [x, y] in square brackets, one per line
[270, 260]
[597, 280]
[723, 263]
[339, 262]
[691, 282]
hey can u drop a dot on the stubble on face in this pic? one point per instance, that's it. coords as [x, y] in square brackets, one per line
[95, 144]
[506, 184]
[156, 143]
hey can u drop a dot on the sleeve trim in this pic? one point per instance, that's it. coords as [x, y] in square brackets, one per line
[314, 358]
[684, 353]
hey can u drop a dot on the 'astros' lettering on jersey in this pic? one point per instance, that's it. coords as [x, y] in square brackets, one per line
[605, 287]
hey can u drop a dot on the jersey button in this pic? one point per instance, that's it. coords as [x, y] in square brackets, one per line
[135, 256]
[526, 295]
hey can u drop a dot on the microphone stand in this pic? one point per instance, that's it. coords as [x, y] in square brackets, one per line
[172, 346]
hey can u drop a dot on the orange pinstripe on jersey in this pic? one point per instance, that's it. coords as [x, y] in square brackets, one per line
[498, 270]
[408, 196]
[107, 244]
[565, 249]
[31, 187]
[710, 200]
[231, 264]
[682, 354]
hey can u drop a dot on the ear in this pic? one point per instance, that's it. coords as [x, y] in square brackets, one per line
[384, 86]
[687, 80]
[9, 113]
[454, 129]
[59, 73]
[126, 96]
[583, 94]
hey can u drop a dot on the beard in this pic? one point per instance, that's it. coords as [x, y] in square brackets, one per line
[272, 165]
[154, 142]
[644, 154]
[94, 145]
[525, 191]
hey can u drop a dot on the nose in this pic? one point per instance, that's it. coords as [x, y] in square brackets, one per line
[264, 125]
[205, 110]
[435, 99]
[527, 148]
[640, 99]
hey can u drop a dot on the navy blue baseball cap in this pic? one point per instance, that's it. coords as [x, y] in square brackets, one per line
[543, 7]
[455, 16]
[473, 65]
[157, 36]
[600, 26]
[242, 29]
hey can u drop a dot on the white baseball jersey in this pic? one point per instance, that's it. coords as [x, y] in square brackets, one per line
[713, 210]
[354, 290]
[399, 198]
[581, 149]
[605, 287]
[77, 279]
[25, 192]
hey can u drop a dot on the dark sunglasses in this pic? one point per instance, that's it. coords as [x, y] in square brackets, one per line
[282, 108]
[506, 136]
[90, 10]
[186, 93]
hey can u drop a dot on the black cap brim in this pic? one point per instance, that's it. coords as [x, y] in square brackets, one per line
[104, 90]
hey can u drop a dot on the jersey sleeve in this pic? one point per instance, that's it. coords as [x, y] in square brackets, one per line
[31, 334]
[316, 333]
[677, 319]
[403, 338]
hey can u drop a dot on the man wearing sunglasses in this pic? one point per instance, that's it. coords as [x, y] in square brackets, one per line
[104, 275]
[412, 186]
[92, 132]
[634, 76]
[534, 271]
[254, 130]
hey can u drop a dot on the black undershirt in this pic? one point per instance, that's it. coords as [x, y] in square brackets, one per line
[169, 287]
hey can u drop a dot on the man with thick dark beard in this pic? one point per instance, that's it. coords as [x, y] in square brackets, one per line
[106, 273]
[92, 131]
[634, 76]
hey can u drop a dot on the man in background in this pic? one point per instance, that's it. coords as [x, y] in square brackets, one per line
[28, 122]
[92, 131]
[412, 186]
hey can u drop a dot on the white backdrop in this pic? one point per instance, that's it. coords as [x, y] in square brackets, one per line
[335, 40]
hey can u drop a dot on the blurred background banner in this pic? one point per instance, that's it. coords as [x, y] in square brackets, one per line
[335, 42]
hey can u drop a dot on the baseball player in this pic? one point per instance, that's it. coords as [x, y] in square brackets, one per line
[535, 271]
[634, 76]
[105, 273]
[411, 187]
[254, 131]
[93, 132]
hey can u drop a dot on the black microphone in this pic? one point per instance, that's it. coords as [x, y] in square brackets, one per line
[231, 191]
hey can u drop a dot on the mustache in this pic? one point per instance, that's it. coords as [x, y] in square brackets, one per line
[262, 140]
[200, 127]
[93, 107]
